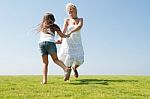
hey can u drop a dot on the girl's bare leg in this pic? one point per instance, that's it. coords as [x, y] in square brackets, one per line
[59, 62]
[45, 68]
[67, 74]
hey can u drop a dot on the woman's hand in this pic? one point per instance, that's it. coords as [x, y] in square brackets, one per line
[68, 35]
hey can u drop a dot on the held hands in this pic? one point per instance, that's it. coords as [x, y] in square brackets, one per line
[58, 42]
[68, 35]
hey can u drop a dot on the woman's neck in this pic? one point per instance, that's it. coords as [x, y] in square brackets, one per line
[74, 17]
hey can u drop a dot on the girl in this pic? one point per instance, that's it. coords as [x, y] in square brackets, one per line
[47, 44]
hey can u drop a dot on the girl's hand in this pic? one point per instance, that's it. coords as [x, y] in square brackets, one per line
[58, 42]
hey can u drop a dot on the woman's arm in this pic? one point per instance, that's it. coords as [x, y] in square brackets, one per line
[65, 26]
[62, 35]
[78, 27]
[64, 30]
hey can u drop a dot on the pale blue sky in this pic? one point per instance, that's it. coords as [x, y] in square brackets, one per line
[116, 36]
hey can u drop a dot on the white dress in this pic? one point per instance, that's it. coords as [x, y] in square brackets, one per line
[71, 50]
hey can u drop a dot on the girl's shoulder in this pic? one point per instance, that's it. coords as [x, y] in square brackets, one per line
[55, 27]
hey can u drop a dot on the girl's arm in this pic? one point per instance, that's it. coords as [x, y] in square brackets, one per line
[62, 35]
[58, 31]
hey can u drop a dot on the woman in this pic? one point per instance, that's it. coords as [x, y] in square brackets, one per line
[71, 50]
[47, 44]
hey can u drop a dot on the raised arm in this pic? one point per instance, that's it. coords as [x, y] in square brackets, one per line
[64, 30]
[65, 26]
[79, 26]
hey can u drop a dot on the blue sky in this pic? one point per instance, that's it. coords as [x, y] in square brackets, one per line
[115, 35]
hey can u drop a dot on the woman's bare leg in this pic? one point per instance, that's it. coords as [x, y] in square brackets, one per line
[75, 71]
[45, 68]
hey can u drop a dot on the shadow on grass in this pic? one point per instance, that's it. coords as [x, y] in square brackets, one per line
[98, 81]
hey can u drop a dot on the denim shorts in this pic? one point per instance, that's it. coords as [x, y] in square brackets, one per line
[47, 48]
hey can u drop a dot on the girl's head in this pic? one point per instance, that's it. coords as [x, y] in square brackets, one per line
[72, 10]
[48, 20]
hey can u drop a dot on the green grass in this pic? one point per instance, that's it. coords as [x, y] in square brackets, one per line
[85, 87]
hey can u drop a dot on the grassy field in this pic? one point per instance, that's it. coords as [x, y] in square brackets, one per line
[85, 87]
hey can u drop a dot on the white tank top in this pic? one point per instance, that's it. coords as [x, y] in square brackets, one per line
[50, 36]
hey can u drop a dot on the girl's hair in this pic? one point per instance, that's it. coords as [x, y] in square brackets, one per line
[48, 23]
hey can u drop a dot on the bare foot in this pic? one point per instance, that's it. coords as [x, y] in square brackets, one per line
[67, 74]
[43, 82]
[76, 75]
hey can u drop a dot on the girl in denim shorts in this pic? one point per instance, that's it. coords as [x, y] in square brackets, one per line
[47, 44]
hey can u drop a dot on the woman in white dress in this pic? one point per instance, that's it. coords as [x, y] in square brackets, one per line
[71, 50]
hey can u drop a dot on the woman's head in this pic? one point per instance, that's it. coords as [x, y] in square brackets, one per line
[72, 10]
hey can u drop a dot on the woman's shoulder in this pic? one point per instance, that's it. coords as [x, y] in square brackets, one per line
[66, 20]
[80, 19]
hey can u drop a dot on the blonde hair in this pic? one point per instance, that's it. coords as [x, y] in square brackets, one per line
[71, 5]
